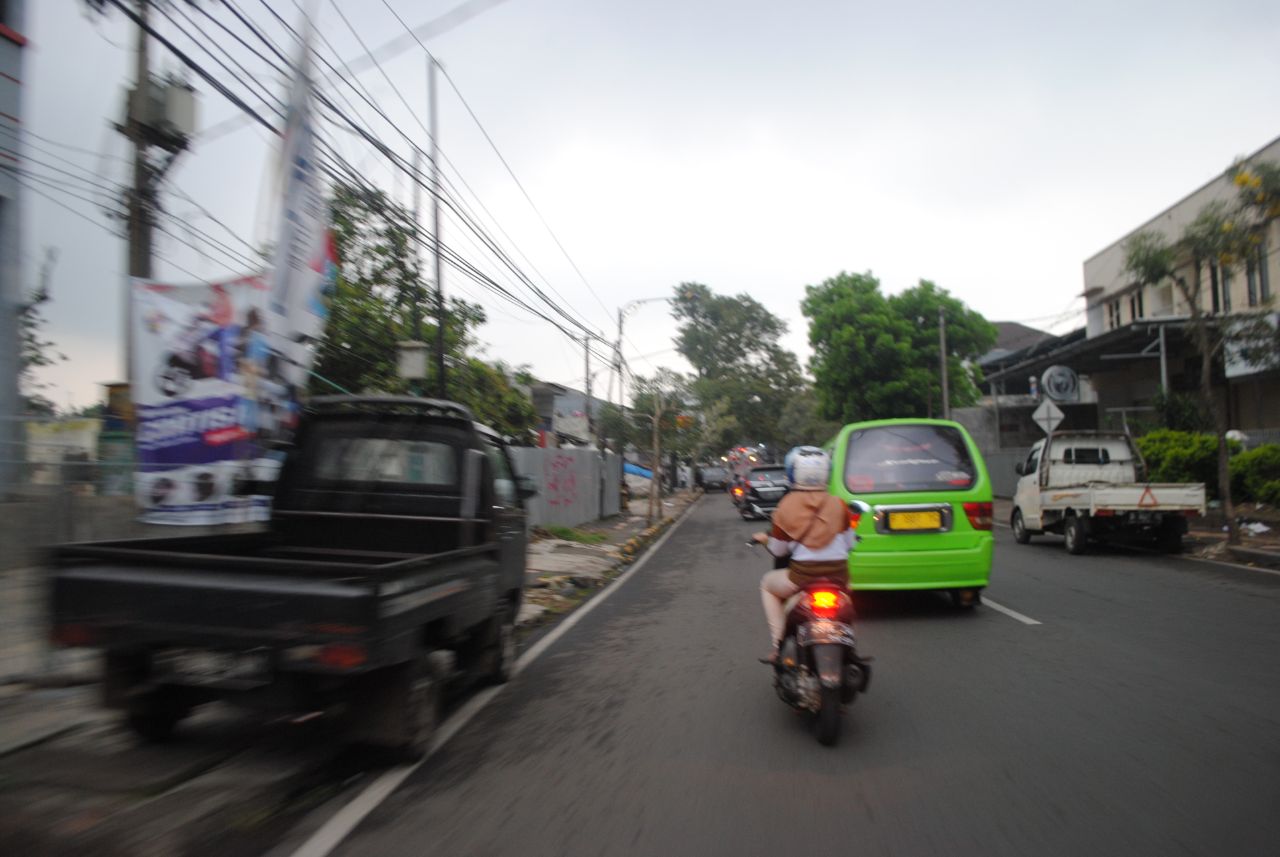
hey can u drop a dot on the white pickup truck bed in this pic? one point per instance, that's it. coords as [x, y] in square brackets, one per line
[1132, 497]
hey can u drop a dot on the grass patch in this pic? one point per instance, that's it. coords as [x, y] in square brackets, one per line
[570, 534]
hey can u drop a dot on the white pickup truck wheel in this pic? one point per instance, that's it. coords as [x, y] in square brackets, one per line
[1020, 532]
[1077, 539]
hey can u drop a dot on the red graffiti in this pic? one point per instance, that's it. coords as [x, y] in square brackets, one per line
[560, 481]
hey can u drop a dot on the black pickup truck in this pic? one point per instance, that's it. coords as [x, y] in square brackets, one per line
[393, 564]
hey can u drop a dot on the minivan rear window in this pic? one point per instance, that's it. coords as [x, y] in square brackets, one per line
[907, 458]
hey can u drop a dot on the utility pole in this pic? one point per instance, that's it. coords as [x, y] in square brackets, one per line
[141, 195]
[654, 477]
[586, 368]
[442, 387]
[156, 115]
[942, 360]
[415, 313]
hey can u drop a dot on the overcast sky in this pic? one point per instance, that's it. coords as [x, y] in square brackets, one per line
[755, 147]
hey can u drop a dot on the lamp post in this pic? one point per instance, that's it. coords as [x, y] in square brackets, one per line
[412, 363]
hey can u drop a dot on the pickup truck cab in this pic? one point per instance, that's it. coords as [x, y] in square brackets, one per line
[1091, 486]
[393, 564]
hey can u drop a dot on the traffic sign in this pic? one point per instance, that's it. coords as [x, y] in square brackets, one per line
[1047, 416]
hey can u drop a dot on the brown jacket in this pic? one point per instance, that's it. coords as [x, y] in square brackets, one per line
[812, 518]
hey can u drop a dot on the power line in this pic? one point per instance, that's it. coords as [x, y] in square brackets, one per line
[507, 166]
[397, 160]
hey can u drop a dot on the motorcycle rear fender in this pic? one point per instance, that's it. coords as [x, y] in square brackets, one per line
[828, 660]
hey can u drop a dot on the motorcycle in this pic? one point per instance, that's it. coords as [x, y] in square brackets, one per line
[818, 668]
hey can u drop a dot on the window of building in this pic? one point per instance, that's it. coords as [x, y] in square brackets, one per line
[1226, 290]
[1213, 289]
[1113, 314]
[1251, 282]
[1136, 310]
[1264, 282]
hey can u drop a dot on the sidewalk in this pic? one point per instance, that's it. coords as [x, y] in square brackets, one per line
[1205, 539]
[561, 574]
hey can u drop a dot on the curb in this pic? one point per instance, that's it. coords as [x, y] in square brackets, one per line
[632, 550]
[1269, 559]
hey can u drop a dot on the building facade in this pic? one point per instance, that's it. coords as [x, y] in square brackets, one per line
[12, 45]
[1138, 339]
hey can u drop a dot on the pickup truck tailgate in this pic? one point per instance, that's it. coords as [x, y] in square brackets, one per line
[159, 604]
[1154, 497]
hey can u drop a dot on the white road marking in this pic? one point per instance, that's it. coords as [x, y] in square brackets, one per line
[340, 825]
[1012, 614]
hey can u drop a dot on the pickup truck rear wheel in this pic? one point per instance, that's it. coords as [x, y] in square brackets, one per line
[1169, 536]
[1077, 537]
[1020, 534]
[421, 714]
[499, 658]
[154, 715]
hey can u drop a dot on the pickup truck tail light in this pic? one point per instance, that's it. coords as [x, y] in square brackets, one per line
[71, 634]
[979, 515]
[342, 656]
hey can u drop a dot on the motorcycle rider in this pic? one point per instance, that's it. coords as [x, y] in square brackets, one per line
[813, 528]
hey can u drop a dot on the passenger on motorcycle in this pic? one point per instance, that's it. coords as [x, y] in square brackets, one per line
[810, 526]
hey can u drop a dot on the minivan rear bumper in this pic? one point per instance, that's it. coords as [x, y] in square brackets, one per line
[961, 568]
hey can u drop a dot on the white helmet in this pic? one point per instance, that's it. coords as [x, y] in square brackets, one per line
[808, 468]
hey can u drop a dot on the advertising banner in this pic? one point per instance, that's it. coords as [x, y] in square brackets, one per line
[208, 390]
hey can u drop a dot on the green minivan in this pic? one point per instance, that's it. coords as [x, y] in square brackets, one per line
[921, 495]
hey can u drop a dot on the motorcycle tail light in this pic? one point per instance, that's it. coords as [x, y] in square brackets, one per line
[824, 603]
[979, 514]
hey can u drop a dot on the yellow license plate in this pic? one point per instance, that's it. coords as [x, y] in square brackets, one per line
[915, 520]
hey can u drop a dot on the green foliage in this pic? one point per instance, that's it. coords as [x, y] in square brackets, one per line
[1254, 471]
[572, 534]
[1182, 456]
[732, 343]
[380, 300]
[801, 422]
[34, 352]
[877, 357]
[1180, 412]
[1269, 493]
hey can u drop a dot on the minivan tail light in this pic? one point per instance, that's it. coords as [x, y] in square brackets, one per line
[980, 515]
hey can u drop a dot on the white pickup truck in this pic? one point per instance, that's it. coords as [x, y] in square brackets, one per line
[1089, 485]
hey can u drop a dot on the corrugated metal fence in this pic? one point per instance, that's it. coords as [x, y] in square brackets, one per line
[574, 485]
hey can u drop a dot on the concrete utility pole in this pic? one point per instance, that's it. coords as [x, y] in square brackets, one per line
[141, 195]
[942, 360]
[586, 368]
[155, 117]
[442, 387]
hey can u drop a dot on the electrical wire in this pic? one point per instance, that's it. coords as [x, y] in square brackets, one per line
[507, 166]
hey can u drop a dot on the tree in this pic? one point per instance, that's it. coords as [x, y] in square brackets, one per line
[1225, 235]
[969, 335]
[801, 422]
[658, 400]
[34, 352]
[876, 357]
[732, 344]
[379, 301]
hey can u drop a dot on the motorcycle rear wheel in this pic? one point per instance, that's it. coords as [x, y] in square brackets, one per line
[827, 720]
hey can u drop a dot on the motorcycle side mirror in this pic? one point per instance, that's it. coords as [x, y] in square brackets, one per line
[860, 506]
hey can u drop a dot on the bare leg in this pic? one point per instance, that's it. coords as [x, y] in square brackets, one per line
[775, 588]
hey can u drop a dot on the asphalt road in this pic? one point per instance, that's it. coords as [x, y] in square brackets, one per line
[1141, 717]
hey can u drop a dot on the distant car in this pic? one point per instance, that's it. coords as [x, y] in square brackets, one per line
[715, 478]
[762, 489]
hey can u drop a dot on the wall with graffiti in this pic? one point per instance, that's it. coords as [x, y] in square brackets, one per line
[574, 485]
